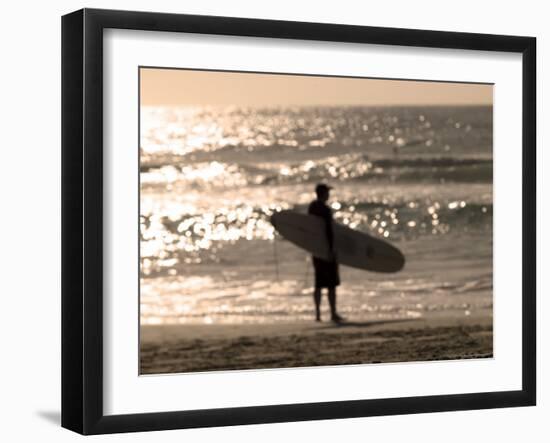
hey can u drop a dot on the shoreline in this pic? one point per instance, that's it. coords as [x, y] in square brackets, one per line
[219, 347]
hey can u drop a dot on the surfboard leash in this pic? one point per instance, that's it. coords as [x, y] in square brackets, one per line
[306, 277]
[276, 257]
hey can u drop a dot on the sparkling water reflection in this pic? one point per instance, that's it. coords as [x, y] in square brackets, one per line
[212, 177]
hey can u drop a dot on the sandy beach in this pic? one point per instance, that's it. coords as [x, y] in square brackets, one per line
[192, 348]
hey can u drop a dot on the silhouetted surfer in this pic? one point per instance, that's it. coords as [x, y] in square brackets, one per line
[326, 272]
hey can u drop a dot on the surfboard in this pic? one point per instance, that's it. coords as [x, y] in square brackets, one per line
[353, 248]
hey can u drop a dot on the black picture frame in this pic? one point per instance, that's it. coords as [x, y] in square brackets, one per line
[82, 218]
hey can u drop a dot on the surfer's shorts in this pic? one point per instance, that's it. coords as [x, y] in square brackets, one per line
[326, 273]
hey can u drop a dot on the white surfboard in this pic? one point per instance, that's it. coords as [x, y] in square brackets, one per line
[353, 248]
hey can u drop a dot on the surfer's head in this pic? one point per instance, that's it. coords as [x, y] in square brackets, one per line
[322, 190]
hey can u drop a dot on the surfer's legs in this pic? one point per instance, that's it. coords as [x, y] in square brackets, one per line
[332, 302]
[317, 299]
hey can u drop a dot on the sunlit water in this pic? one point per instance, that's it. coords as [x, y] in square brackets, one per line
[211, 177]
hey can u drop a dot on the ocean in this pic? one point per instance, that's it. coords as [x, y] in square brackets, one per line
[210, 178]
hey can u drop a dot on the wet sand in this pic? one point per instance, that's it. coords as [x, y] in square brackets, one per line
[193, 348]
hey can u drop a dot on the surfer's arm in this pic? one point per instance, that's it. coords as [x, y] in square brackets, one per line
[330, 232]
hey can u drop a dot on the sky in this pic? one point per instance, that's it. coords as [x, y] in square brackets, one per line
[171, 87]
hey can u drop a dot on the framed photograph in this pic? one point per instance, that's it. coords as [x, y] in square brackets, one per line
[269, 221]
